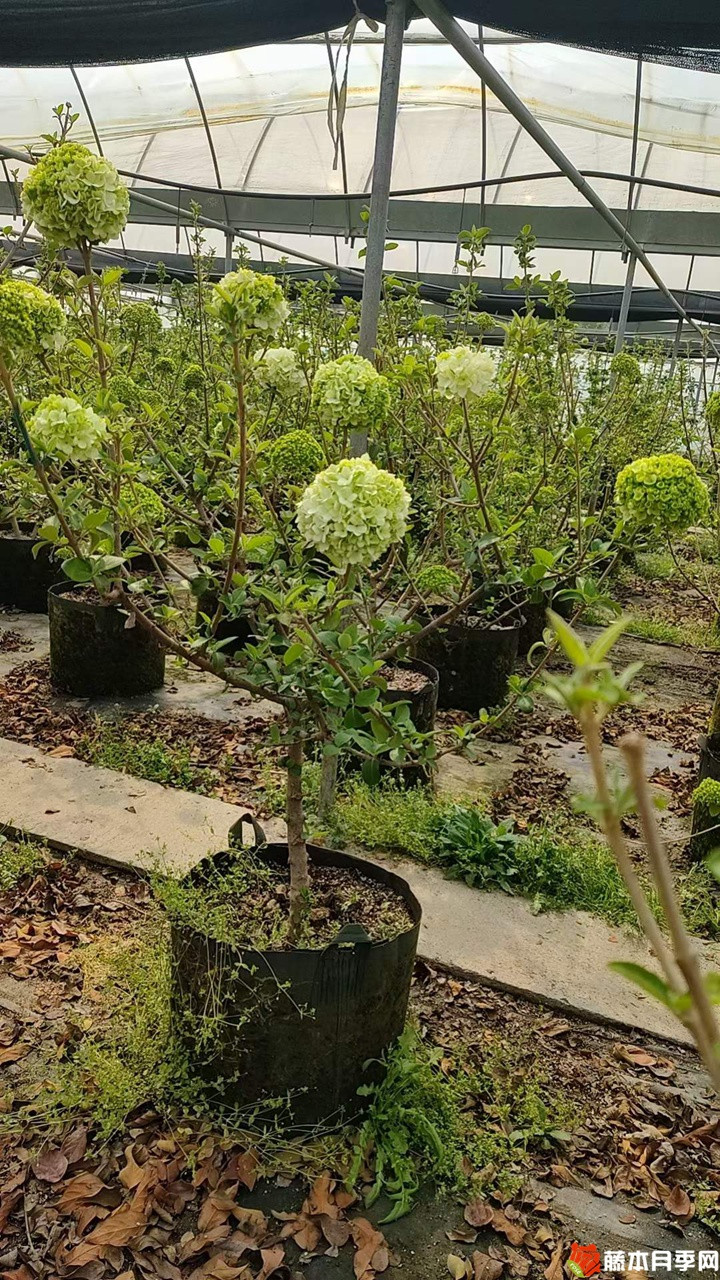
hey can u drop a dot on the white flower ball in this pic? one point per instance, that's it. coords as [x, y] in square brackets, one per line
[64, 429]
[464, 371]
[279, 370]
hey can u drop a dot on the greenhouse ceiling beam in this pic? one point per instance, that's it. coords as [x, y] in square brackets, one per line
[574, 226]
[10, 154]
[468, 50]
[381, 183]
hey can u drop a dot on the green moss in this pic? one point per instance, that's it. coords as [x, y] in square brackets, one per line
[19, 859]
[119, 746]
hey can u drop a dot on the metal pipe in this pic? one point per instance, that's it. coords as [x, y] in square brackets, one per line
[151, 202]
[380, 195]
[625, 304]
[468, 50]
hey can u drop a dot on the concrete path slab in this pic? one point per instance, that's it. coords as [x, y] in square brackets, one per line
[108, 815]
[560, 958]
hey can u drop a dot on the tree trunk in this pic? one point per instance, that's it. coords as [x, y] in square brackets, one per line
[328, 786]
[297, 850]
[713, 736]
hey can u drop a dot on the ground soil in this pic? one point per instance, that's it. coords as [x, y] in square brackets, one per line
[184, 1201]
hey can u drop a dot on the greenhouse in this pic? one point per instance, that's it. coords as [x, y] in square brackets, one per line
[359, 640]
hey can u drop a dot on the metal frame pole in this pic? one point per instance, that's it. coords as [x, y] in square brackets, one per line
[625, 304]
[481, 65]
[380, 191]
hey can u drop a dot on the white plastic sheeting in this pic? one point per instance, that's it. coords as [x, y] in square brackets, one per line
[267, 109]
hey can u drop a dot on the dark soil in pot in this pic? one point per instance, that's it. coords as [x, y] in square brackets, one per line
[475, 658]
[26, 578]
[93, 653]
[238, 631]
[298, 1023]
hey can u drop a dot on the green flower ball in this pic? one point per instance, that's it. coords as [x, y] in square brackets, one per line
[626, 367]
[249, 301]
[295, 457]
[437, 581]
[350, 394]
[31, 320]
[140, 506]
[139, 322]
[126, 390]
[73, 195]
[662, 492]
[193, 378]
[353, 512]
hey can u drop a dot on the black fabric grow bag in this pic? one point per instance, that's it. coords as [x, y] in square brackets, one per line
[237, 631]
[299, 1023]
[93, 653]
[475, 660]
[26, 578]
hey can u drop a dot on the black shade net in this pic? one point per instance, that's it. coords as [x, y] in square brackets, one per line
[61, 32]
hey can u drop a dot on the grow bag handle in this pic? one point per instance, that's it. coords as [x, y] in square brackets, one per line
[236, 831]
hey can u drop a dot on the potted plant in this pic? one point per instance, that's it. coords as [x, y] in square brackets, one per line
[76, 200]
[298, 1009]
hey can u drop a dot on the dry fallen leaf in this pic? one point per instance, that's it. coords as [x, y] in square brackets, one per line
[458, 1267]
[478, 1213]
[50, 1166]
[679, 1203]
[485, 1267]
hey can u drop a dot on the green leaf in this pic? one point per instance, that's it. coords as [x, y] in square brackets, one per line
[712, 986]
[367, 697]
[605, 642]
[712, 862]
[646, 979]
[571, 643]
[77, 570]
[293, 653]
[84, 347]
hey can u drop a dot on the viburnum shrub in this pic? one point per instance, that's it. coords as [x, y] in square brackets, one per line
[353, 512]
[349, 394]
[663, 492]
[73, 196]
[464, 371]
[63, 429]
[278, 369]
[30, 319]
[295, 457]
[247, 301]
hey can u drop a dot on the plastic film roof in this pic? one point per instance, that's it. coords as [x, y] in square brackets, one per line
[267, 112]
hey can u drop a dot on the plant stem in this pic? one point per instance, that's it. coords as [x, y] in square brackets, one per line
[707, 1033]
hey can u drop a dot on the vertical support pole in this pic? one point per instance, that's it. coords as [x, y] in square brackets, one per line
[625, 304]
[228, 251]
[676, 347]
[380, 192]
